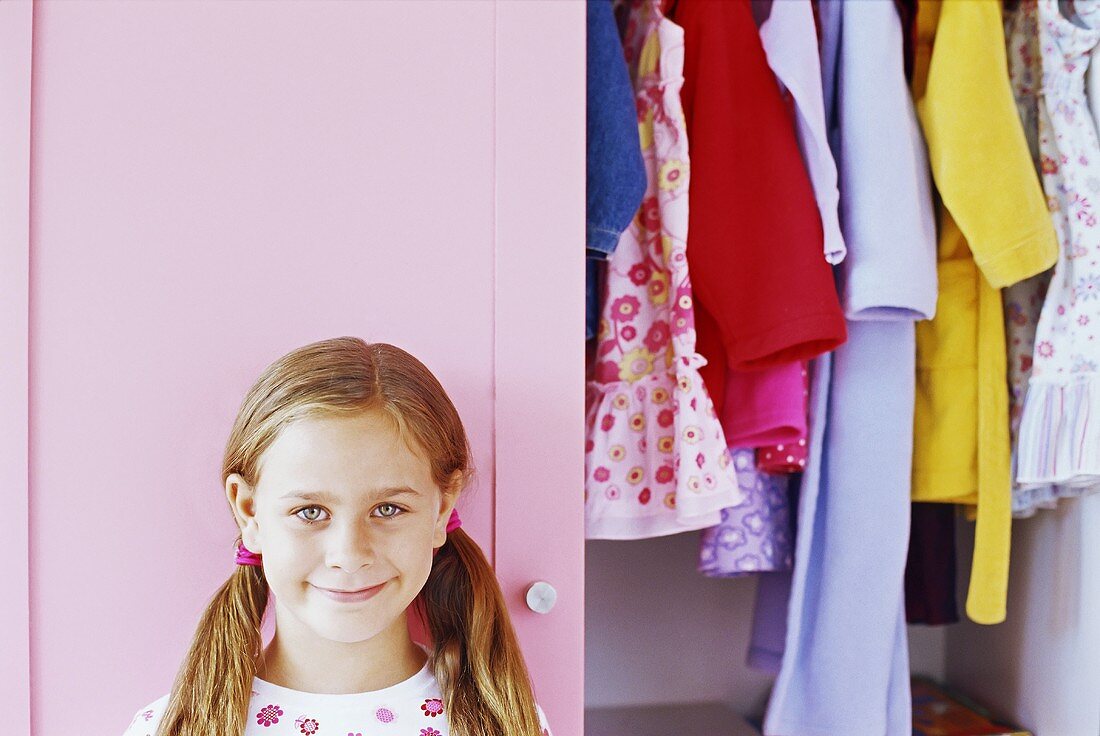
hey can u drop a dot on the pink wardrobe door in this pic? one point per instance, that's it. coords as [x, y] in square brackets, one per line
[540, 172]
[15, 151]
[214, 184]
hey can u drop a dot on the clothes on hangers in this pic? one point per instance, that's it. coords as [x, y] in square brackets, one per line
[788, 457]
[656, 460]
[755, 536]
[1024, 301]
[755, 227]
[930, 567]
[764, 293]
[790, 37]
[615, 172]
[1058, 440]
[764, 407]
[846, 636]
[988, 239]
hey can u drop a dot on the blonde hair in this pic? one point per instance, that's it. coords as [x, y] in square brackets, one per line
[475, 654]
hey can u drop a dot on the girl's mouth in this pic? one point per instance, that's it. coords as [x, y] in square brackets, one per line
[350, 597]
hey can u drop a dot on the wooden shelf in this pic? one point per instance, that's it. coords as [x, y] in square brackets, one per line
[691, 719]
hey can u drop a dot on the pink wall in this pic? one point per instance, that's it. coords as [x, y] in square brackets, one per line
[213, 184]
[15, 129]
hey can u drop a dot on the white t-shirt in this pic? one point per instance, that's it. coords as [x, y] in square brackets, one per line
[413, 707]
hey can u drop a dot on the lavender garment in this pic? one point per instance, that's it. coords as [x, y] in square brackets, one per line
[789, 39]
[756, 535]
[845, 641]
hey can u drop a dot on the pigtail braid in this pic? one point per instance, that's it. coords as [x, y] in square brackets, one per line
[213, 687]
[476, 656]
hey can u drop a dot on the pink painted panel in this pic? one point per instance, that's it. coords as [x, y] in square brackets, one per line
[217, 183]
[539, 347]
[15, 154]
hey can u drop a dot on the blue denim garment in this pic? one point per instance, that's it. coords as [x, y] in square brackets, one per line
[616, 176]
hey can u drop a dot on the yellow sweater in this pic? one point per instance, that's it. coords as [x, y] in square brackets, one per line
[994, 230]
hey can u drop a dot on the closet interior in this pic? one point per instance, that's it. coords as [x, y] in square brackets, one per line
[840, 472]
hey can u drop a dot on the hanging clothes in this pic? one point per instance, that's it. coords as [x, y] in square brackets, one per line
[789, 37]
[1058, 440]
[846, 638]
[615, 172]
[764, 407]
[988, 238]
[1024, 301]
[767, 408]
[765, 295]
[656, 460]
[755, 536]
[789, 457]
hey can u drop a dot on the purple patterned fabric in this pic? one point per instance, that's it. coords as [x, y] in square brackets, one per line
[755, 536]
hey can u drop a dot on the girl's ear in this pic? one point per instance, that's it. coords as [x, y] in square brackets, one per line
[242, 499]
[440, 533]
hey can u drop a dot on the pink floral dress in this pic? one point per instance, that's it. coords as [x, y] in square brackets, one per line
[1059, 435]
[656, 461]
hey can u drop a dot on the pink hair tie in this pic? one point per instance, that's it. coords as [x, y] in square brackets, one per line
[245, 557]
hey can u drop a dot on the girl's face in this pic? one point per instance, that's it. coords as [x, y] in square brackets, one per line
[343, 504]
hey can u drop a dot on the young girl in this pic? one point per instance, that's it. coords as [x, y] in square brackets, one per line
[342, 471]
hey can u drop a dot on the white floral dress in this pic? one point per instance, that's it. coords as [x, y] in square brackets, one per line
[656, 461]
[1059, 436]
[1024, 300]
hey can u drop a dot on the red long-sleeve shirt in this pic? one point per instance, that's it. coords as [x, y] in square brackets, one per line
[764, 294]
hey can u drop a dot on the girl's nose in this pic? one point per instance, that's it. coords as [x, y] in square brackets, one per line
[350, 546]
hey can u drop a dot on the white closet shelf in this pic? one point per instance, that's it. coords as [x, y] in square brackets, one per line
[692, 719]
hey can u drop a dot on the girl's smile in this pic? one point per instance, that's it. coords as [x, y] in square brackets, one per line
[355, 596]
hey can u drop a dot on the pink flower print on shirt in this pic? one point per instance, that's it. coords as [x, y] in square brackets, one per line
[147, 714]
[658, 336]
[307, 725]
[269, 715]
[385, 715]
[429, 732]
[607, 371]
[625, 308]
[639, 273]
[432, 707]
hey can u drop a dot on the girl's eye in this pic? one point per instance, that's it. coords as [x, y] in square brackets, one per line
[311, 514]
[388, 510]
[309, 520]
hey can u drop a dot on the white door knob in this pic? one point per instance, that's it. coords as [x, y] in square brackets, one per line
[541, 597]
